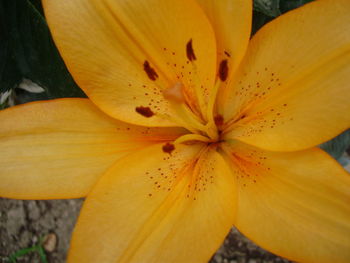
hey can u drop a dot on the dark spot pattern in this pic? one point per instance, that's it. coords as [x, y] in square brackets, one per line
[186, 73]
[197, 173]
[249, 165]
[258, 87]
[264, 120]
[254, 91]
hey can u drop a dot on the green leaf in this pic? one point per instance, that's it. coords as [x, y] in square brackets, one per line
[259, 19]
[287, 5]
[337, 146]
[42, 254]
[10, 76]
[20, 253]
[34, 51]
[38, 6]
[22, 96]
[267, 7]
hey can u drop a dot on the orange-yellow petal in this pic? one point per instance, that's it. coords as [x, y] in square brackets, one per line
[293, 88]
[126, 54]
[59, 148]
[232, 21]
[293, 204]
[167, 208]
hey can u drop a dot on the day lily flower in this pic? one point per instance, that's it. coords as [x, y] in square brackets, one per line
[191, 128]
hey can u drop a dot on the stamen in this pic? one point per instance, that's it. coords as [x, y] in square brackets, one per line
[196, 81]
[189, 51]
[168, 148]
[211, 126]
[192, 137]
[230, 126]
[151, 73]
[187, 118]
[198, 89]
[223, 70]
[211, 102]
[144, 111]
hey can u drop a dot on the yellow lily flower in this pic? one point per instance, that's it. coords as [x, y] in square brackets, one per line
[191, 128]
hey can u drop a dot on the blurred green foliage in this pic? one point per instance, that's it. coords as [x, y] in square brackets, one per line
[266, 10]
[268, 7]
[28, 51]
[338, 145]
[38, 248]
[9, 73]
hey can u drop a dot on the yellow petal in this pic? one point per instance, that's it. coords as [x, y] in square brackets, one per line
[126, 54]
[293, 90]
[293, 204]
[59, 148]
[231, 20]
[168, 208]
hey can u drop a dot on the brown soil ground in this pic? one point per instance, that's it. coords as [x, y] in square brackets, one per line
[23, 223]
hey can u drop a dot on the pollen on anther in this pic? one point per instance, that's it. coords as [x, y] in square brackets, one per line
[189, 51]
[144, 111]
[223, 70]
[168, 148]
[219, 120]
[151, 73]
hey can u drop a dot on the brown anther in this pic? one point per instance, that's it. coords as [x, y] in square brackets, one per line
[168, 148]
[223, 70]
[189, 51]
[144, 111]
[151, 73]
[242, 117]
[219, 120]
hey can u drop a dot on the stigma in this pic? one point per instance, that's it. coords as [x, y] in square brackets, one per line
[175, 93]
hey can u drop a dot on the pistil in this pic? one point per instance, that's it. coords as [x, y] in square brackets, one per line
[187, 118]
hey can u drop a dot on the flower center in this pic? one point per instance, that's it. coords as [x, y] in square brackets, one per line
[204, 127]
